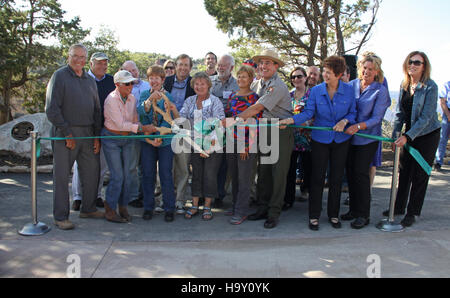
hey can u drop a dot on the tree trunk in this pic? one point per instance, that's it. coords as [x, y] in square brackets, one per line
[339, 36]
[5, 109]
[323, 30]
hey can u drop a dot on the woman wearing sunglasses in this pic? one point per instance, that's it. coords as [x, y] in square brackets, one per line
[302, 137]
[416, 110]
[169, 68]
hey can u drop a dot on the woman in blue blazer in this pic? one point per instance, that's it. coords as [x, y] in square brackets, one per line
[416, 110]
[331, 104]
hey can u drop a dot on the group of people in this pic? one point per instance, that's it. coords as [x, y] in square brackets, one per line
[138, 120]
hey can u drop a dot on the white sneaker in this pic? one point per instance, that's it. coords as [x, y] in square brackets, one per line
[180, 208]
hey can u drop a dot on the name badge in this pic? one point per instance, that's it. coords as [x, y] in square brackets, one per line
[227, 94]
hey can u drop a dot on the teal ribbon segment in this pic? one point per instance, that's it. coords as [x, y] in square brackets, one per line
[207, 127]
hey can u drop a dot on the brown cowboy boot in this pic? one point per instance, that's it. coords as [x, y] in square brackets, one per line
[123, 212]
[112, 216]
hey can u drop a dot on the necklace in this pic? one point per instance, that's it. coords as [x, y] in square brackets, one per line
[413, 87]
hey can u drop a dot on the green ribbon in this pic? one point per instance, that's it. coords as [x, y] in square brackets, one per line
[414, 153]
[200, 127]
[38, 140]
[411, 150]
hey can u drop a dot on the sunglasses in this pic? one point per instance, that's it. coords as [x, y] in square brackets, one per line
[297, 77]
[415, 62]
[170, 67]
[128, 84]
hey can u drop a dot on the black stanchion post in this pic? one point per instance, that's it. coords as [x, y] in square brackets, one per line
[35, 228]
[390, 225]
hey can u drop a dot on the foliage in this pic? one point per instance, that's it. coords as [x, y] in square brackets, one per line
[306, 31]
[24, 59]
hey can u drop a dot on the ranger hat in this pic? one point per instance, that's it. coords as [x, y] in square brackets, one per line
[269, 54]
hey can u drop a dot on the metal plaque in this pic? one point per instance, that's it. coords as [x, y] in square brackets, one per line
[21, 131]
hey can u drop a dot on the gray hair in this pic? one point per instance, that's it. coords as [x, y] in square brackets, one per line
[199, 76]
[78, 46]
[129, 62]
[230, 58]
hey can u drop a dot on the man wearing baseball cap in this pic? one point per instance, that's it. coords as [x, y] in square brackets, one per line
[275, 103]
[105, 85]
[121, 119]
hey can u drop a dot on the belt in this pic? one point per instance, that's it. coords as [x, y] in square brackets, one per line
[122, 133]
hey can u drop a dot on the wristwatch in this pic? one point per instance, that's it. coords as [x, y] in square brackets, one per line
[359, 127]
[238, 119]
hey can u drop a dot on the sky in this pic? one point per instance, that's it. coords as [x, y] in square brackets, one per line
[173, 27]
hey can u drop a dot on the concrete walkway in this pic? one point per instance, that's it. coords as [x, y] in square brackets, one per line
[194, 248]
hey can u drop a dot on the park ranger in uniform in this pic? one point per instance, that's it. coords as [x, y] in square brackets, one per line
[275, 103]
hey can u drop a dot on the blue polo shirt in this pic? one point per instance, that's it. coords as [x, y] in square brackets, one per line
[327, 112]
[178, 92]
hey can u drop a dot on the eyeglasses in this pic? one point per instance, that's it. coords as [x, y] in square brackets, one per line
[169, 67]
[297, 77]
[415, 62]
[78, 57]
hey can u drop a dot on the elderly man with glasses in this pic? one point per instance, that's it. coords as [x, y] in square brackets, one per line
[223, 85]
[73, 108]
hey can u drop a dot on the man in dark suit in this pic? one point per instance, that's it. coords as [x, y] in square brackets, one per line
[179, 86]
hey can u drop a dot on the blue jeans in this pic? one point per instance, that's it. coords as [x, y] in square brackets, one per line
[118, 154]
[149, 156]
[134, 170]
[445, 131]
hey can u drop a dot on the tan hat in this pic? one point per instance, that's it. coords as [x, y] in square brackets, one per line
[269, 54]
[123, 76]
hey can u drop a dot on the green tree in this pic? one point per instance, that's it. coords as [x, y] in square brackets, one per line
[24, 59]
[306, 31]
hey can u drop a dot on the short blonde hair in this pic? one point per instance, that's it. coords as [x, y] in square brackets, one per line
[201, 76]
[376, 61]
[156, 70]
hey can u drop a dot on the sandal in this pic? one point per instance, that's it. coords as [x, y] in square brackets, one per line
[207, 212]
[314, 224]
[335, 223]
[189, 214]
